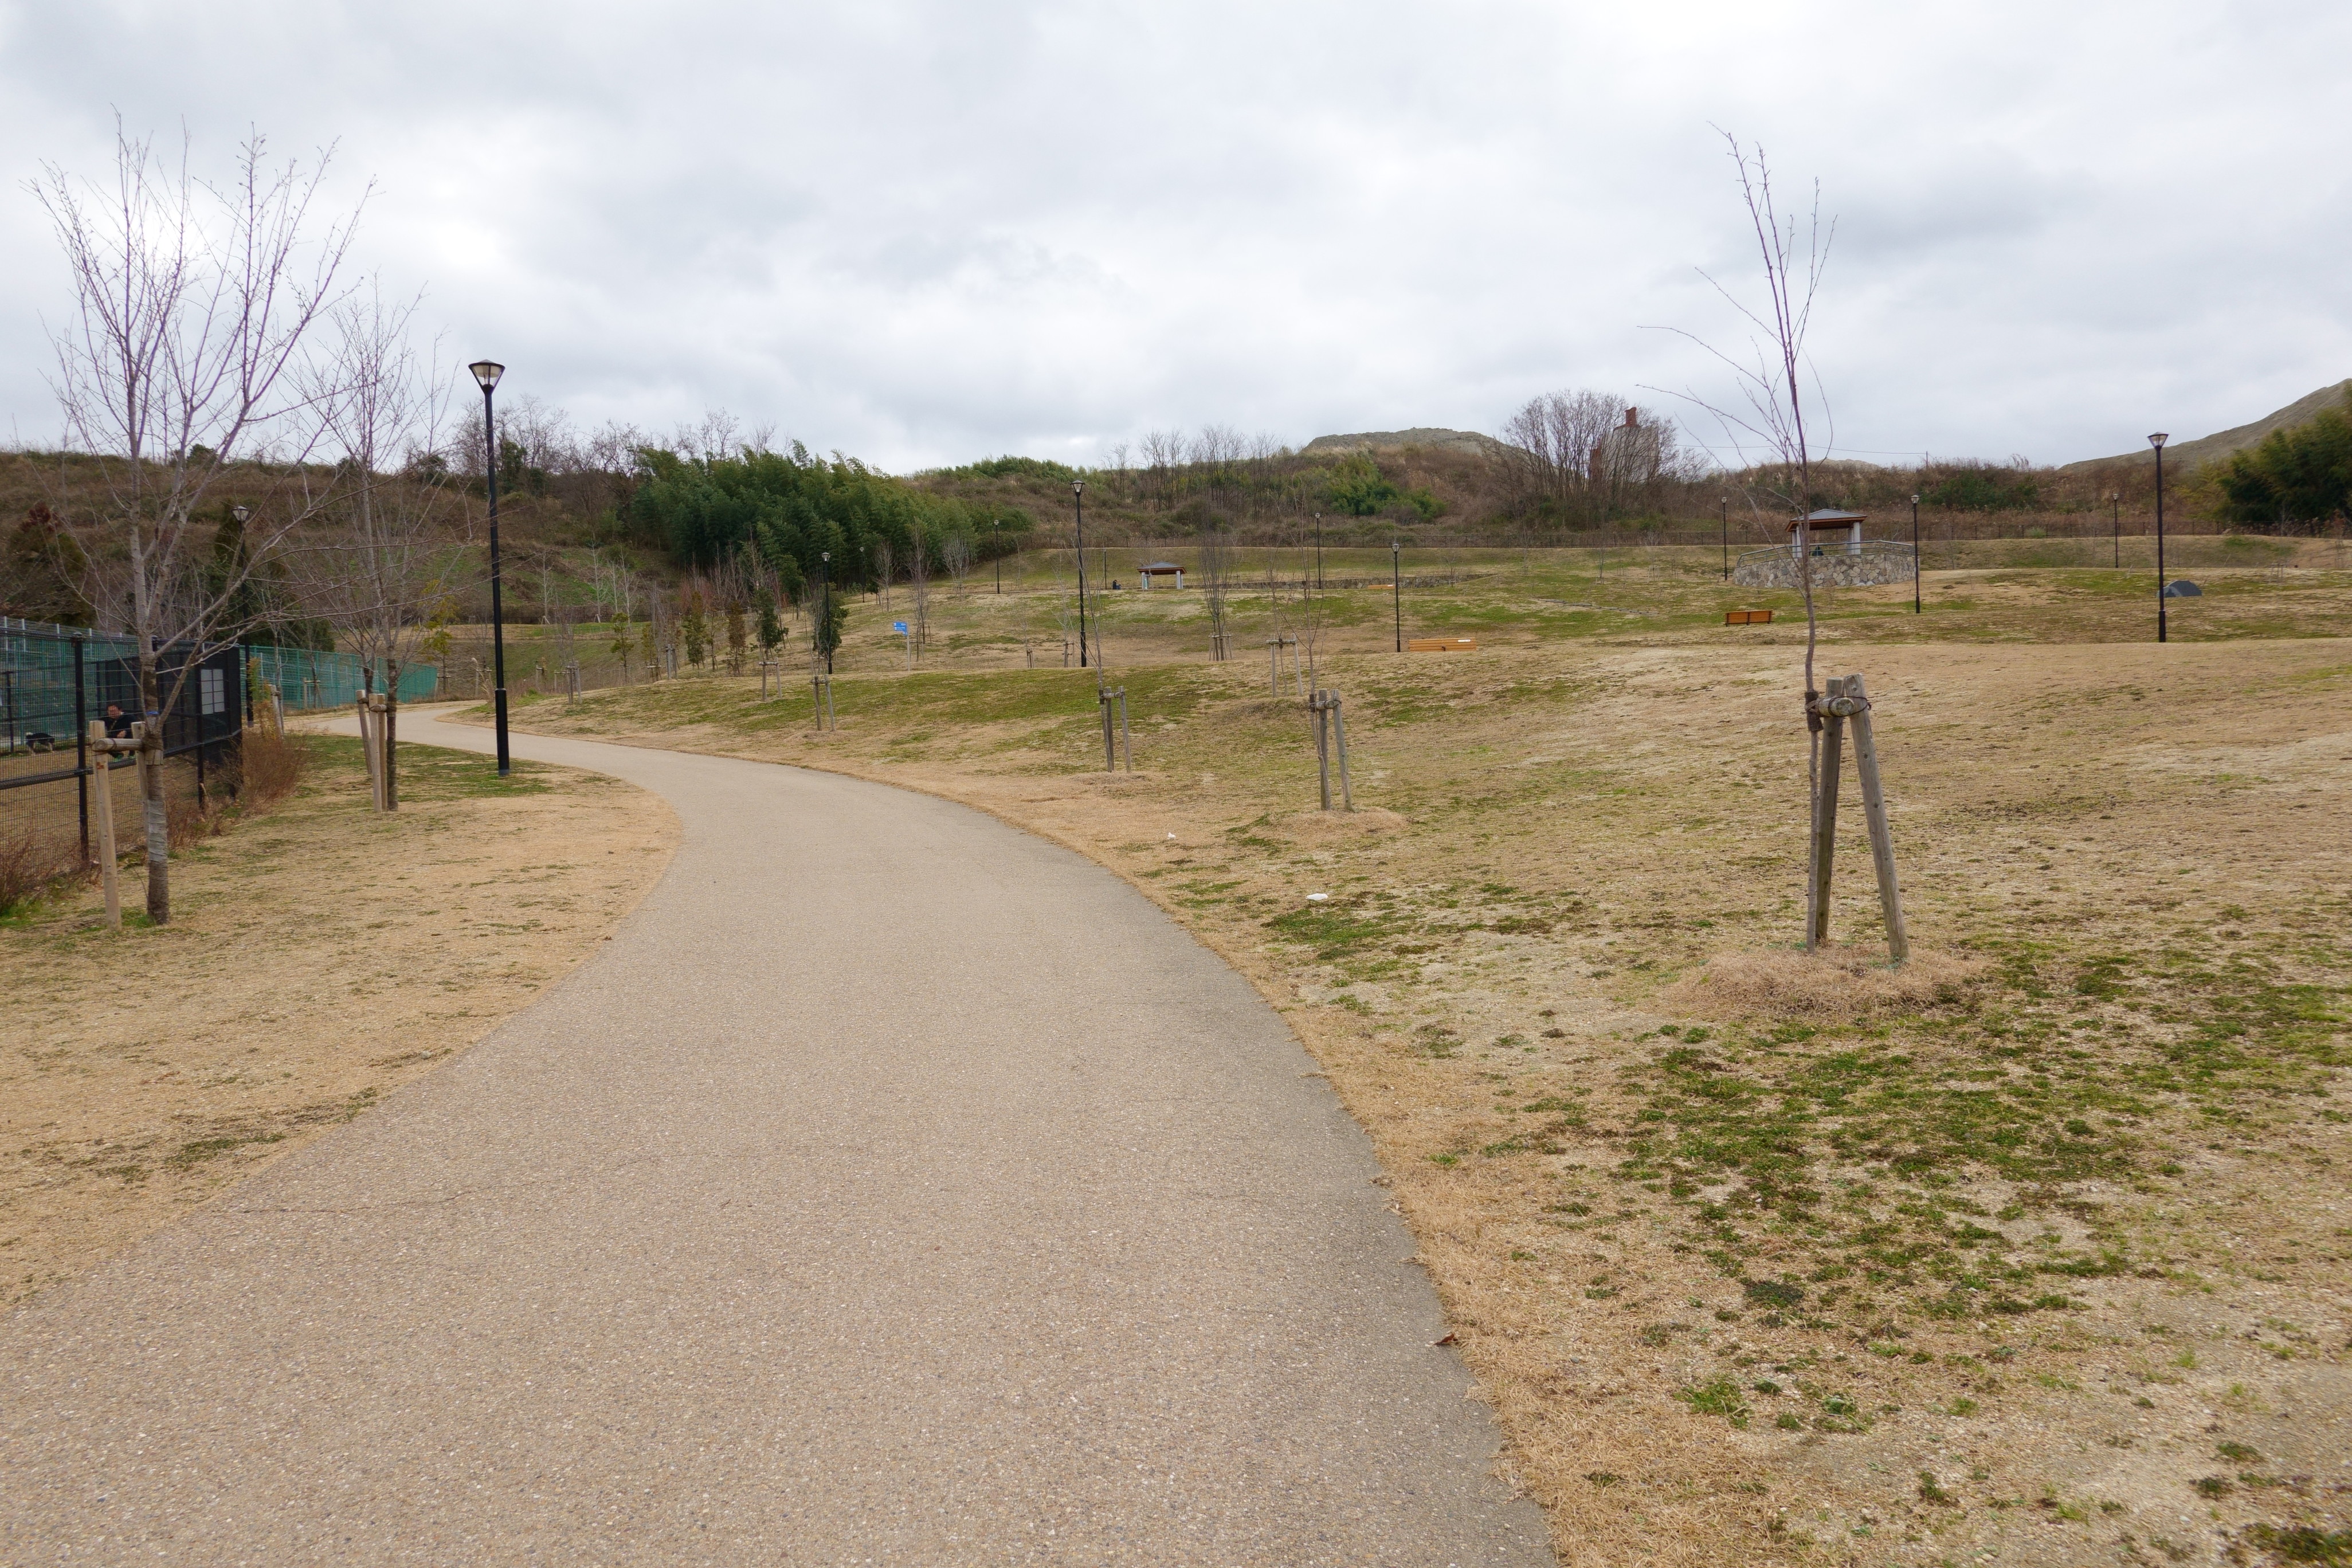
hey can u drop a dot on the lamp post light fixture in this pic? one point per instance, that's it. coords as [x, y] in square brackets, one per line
[1396, 588]
[1078, 500]
[487, 373]
[1914, 553]
[2157, 441]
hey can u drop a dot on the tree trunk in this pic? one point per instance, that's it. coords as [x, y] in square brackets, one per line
[391, 733]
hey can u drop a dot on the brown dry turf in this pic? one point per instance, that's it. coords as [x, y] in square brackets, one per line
[2044, 1257]
[319, 956]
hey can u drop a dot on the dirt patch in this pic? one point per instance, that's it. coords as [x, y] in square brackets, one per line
[1881, 1283]
[1834, 984]
[320, 957]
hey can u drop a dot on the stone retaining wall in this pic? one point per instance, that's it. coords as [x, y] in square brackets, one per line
[1832, 568]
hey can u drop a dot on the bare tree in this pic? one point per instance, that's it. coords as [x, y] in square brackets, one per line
[956, 551]
[918, 583]
[1216, 577]
[376, 571]
[195, 310]
[1771, 386]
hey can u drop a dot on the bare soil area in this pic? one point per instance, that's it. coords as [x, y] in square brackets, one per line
[2043, 1259]
[319, 956]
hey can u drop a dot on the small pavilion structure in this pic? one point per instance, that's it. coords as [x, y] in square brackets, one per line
[1160, 570]
[1825, 526]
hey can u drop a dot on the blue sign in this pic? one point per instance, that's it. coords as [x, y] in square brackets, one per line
[897, 626]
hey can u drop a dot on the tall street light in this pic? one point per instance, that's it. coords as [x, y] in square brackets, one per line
[996, 548]
[1078, 499]
[1319, 551]
[824, 607]
[1396, 588]
[2157, 441]
[1914, 553]
[1727, 537]
[2116, 520]
[487, 372]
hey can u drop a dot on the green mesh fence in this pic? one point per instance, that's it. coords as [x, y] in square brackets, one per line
[307, 677]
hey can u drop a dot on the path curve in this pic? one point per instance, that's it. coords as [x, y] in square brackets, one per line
[893, 1187]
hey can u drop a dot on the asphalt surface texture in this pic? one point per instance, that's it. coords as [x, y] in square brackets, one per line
[893, 1187]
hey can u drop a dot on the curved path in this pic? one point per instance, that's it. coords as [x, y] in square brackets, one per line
[893, 1187]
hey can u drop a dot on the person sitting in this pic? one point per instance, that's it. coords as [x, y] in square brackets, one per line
[118, 723]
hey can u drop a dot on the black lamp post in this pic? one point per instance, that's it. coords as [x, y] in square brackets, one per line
[487, 372]
[996, 545]
[1396, 588]
[2157, 441]
[1319, 551]
[2115, 519]
[1078, 499]
[825, 605]
[1727, 537]
[1914, 553]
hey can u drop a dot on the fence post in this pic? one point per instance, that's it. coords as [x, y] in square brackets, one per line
[94, 733]
[81, 748]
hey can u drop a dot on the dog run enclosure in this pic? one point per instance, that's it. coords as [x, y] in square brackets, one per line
[55, 680]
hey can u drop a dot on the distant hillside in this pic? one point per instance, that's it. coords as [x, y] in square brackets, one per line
[1467, 441]
[2188, 455]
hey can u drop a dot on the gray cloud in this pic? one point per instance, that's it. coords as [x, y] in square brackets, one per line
[927, 231]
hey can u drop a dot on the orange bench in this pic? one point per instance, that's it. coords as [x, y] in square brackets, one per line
[1747, 617]
[1441, 645]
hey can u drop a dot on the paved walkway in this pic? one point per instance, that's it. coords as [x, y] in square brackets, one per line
[895, 1187]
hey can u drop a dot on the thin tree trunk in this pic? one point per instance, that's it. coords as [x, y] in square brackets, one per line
[391, 733]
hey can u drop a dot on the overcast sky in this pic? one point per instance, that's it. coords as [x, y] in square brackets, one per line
[927, 231]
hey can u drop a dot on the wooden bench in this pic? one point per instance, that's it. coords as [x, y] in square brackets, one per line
[1441, 645]
[1747, 617]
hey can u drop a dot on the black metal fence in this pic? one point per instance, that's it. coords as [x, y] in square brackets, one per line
[53, 681]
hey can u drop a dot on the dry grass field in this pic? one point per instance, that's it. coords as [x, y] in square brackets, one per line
[2035, 1252]
[319, 956]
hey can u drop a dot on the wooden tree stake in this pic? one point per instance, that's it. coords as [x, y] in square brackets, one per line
[103, 750]
[1340, 736]
[1825, 807]
[1874, 807]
